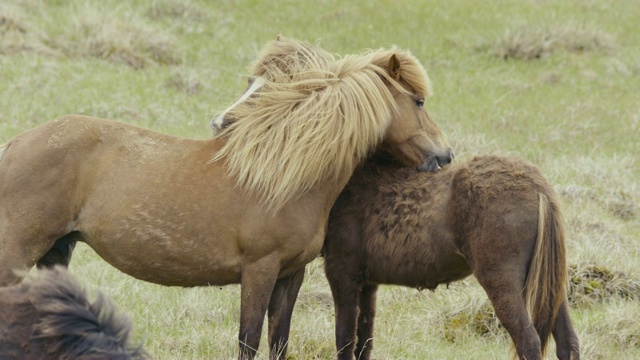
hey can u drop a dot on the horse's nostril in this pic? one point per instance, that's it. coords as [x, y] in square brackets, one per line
[446, 159]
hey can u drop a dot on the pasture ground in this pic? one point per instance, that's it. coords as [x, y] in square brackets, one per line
[553, 82]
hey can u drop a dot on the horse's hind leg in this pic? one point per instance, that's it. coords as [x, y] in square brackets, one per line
[19, 255]
[281, 305]
[365, 322]
[16, 258]
[504, 288]
[567, 343]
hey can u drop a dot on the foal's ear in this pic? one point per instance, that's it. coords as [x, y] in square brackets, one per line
[394, 67]
[279, 37]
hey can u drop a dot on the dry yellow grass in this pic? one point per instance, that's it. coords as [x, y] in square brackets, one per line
[566, 99]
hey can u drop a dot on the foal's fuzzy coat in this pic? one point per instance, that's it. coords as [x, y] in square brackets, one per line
[495, 217]
[50, 317]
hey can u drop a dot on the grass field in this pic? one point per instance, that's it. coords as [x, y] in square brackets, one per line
[554, 82]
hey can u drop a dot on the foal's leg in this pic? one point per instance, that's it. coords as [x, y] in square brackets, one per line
[365, 322]
[257, 282]
[346, 296]
[567, 344]
[504, 288]
[283, 299]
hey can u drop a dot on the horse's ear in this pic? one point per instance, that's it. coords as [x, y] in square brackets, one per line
[394, 67]
[279, 37]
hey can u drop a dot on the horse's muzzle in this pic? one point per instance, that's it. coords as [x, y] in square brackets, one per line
[435, 162]
[218, 124]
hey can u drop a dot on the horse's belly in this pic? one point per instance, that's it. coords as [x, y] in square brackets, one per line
[424, 268]
[161, 254]
[195, 250]
[177, 268]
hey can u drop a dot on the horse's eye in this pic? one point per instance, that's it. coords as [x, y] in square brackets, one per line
[250, 80]
[420, 103]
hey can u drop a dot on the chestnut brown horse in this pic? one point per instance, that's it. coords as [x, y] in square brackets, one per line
[494, 217]
[249, 207]
[50, 317]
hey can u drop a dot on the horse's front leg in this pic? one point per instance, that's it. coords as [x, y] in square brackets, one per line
[283, 299]
[257, 282]
[365, 322]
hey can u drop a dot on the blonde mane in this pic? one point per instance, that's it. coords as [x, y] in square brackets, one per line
[314, 120]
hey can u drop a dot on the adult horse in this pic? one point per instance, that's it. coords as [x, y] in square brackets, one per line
[248, 207]
[494, 217]
[50, 317]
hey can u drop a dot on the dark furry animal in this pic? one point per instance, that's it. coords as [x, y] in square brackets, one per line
[494, 217]
[50, 317]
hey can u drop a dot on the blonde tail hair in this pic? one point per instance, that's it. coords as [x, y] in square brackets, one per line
[545, 287]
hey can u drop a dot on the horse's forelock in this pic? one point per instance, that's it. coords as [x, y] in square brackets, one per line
[286, 56]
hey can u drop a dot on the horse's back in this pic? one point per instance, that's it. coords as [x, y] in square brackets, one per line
[69, 141]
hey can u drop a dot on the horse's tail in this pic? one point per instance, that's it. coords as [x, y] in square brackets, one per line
[72, 327]
[545, 287]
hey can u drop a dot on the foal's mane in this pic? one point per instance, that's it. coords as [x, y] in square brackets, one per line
[315, 119]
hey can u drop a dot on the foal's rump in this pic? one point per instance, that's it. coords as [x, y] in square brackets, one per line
[513, 235]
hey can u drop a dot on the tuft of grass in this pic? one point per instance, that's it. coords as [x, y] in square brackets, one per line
[590, 284]
[117, 40]
[89, 32]
[534, 42]
[623, 206]
[19, 36]
[184, 83]
[177, 10]
[478, 321]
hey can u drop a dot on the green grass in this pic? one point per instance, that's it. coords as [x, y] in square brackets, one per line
[554, 82]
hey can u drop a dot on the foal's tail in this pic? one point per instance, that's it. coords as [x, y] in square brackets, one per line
[545, 287]
[74, 328]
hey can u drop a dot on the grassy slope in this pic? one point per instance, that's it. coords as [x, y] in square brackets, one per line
[169, 65]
